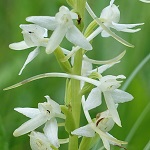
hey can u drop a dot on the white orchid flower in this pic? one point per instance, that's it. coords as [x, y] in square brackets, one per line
[63, 26]
[108, 86]
[110, 16]
[34, 36]
[102, 125]
[38, 141]
[44, 114]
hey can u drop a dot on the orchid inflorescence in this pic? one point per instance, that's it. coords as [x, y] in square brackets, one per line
[85, 84]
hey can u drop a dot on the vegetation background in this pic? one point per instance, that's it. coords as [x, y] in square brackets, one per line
[13, 13]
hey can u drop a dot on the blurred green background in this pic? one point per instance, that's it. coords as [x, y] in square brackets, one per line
[13, 13]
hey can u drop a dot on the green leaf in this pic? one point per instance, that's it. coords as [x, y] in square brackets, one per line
[64, 65]
[69, 122]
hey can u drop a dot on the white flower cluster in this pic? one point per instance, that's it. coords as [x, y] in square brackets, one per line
[62, 25]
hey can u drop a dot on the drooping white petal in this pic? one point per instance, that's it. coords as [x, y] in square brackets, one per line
[51, 131]
[19, 46]
[105, 142]
[86, 131]
[29, 112]
[56, 38]
[120, 96]
[43, 21]
[126, 27]
[93, 99]
[30, 57]
[54, 105]
[76, 37]
[38, 141]
[112, 108]
[30, 125]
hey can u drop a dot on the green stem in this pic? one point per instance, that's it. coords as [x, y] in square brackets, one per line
[76, 98]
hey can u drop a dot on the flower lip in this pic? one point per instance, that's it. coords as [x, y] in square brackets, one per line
[104, 121]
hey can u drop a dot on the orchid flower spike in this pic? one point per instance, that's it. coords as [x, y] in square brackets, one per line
[34, 36]
[63, 26]
[109, 87]
[110, 16]
[44, 114]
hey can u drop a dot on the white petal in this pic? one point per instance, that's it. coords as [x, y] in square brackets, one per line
[40, 31]
[76, 37]
[86, 131]
[51, 131]
[54, 105]
[86, 67]
[56, 38]
[30, 57]
[38, 141]
[30, 125]
[19, 46]
[120, 96]
[111, 2]
[43, 21]
[112, 108]
[126, 27]
[73, 15]
[29, 112]
[102, 68]
[93, 99]
[105, 142]
[105, 34]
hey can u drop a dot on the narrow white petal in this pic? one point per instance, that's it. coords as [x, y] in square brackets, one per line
[102, 68]
[120, 96]
[86, 131]
[30, 57]
[51, 131]
[112, 108]
[30, 125]
[29, 112]
[93, 99]
[19, 46]
[56, 38]
[122, 27]
[76, 37]
[105, 142]
[131, 30]
[54, 105]
[43, 21]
